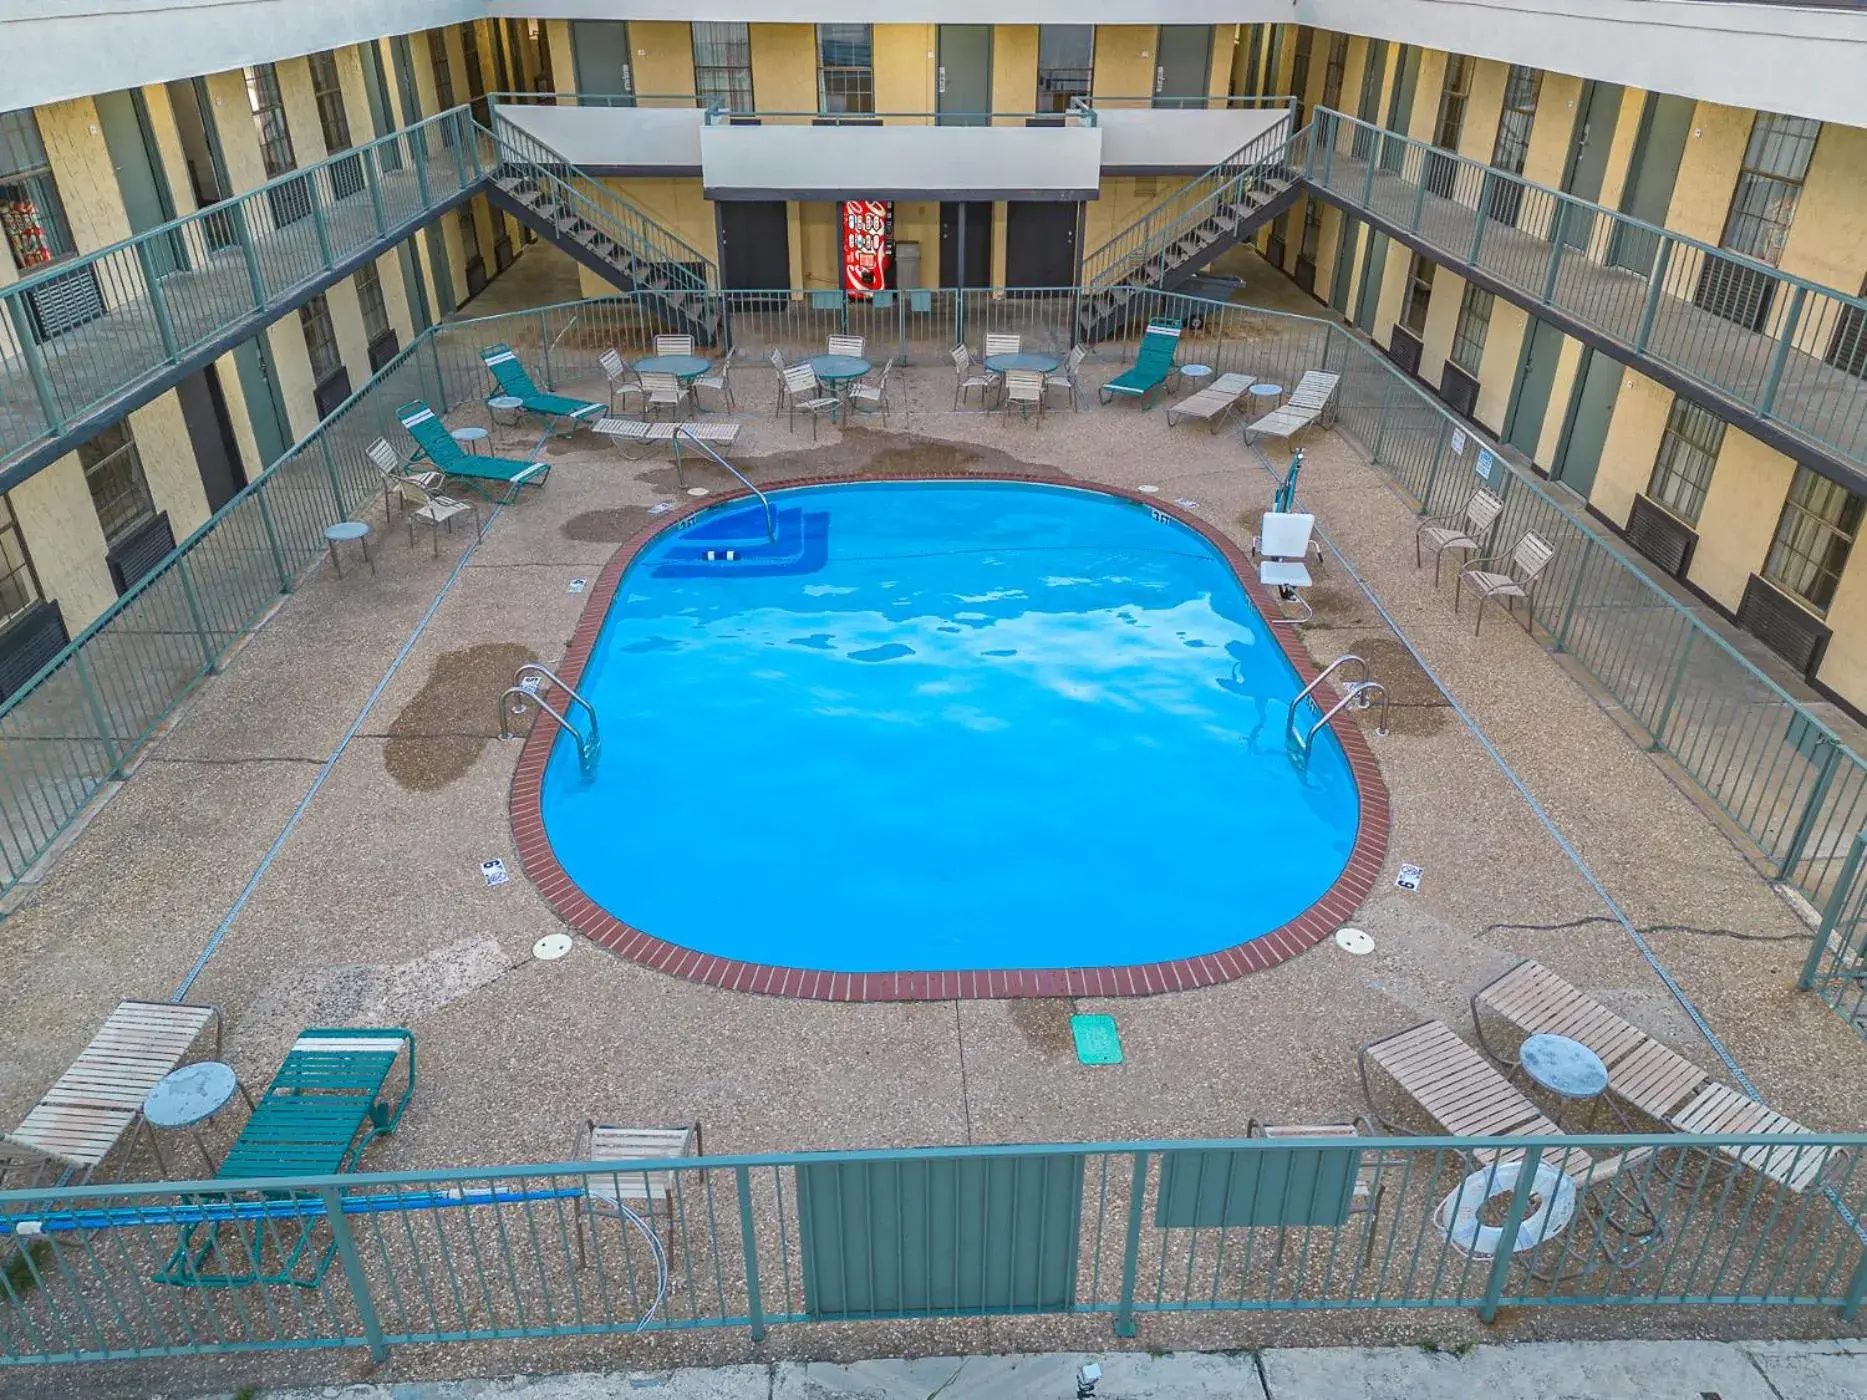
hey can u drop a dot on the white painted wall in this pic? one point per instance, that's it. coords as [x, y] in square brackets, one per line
[649, 138]
[1773, 57]
[1141, 139]
[900, 162]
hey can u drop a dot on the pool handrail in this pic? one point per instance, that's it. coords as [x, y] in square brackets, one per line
[771, 528]
[588, 749]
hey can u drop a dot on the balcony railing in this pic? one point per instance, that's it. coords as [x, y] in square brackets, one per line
[1789, 351]
[77, 339]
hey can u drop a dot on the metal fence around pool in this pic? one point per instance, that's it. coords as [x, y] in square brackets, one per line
[1779, 774]
[1122, 1230]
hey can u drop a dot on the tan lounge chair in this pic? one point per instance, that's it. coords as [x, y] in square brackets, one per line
[1213, 402]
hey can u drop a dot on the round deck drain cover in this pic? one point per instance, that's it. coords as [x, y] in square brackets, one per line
[696, 490]
[1354, 940]
[551, 947]
[1150, 490]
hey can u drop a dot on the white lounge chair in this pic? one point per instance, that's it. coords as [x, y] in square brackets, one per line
[1284, 545]
[1213, 402]
[627, 432]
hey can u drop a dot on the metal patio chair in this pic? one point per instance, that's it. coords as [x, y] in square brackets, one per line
[719, 380]
[394, 472]
[854, 346]
[422, 506]
[804, 394]
[966, 378]
[623, 382]
[1468, 530]
[873, 397]
[1064, 376]
[639, 1191]
[665, 391]
[1523, 568]
[1025, 388]
[674, 345]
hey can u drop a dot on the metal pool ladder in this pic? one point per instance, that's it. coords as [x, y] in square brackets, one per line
[589, 746]
[1357, 694]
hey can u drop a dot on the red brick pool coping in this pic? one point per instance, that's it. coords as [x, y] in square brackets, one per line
[584, 915]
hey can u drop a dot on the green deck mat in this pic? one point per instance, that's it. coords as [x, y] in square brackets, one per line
[1097, 1040]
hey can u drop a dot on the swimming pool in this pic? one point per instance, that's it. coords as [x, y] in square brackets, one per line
[941, 727]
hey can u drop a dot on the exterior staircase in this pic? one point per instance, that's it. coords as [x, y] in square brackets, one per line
[604, 232]
[1183, 233]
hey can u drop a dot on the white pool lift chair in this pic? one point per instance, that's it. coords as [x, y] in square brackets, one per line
[1283, 548]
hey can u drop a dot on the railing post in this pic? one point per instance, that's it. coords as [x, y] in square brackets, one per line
[158, 300]
[1568, 608]
[1367, 183]
[1419, 195]
[901, 323]
[1658, 728]
[1380, 427]
[1131, 1252]
[1507, 1233]
[1432, 474]
[35, 365]
[1555, 253]
[544, 340]
[373, 180]
[460, 156]
[1784, 343]
[244, 228]
[1857, 1290]
[420, 162]
[1656, 280]
[95, 704]
[330, 471]
[317, 221]
[470, 131]
[194, 611]
[1478, 227]
[1831, 915]
[1328, 152]
[353, 1272]
[272, 539]
[1811, 810]
[748, 1241]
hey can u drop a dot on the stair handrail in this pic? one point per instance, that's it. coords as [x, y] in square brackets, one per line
[588, 747]
[680, 429]
[609, 209]
[1134, 245]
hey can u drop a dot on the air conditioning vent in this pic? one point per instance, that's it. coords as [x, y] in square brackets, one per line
[1784, 626]
[1306, 274]
[140, 551]
[1459, 390]
[1403, 348]
[1661, 536]
[476, 276]
[29, 641]
[383, 349]
[334, 389]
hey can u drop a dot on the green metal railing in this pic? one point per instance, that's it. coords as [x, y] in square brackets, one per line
[1836, 968]
[78, 338]
[649, 251]
[1123, 1231]
[1790, 351]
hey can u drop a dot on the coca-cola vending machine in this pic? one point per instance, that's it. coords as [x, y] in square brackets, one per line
[868, 246]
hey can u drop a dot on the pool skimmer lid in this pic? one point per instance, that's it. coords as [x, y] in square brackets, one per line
[551, 947]
[1354, 940]
[1150, 490]
[696, 490]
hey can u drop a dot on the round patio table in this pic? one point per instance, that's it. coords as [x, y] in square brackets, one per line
[838, 371]
[1024, 359]
[188, 1097]
[682, 367]
[1567, 1068]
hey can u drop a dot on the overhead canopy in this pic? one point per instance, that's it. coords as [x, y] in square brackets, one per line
[900, 162]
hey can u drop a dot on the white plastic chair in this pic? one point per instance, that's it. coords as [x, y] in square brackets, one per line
[1283, 546]
[664, 391]
[851, 345]
[674, 345]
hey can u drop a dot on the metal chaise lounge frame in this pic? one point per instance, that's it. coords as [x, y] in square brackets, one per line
[435, 445]
[1152, 367]
[1214, 402]
[509, 373]
[324, 1106]
[1642, 1072]
[99, 1098]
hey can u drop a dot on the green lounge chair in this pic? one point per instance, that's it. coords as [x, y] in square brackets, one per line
[1145, 377]
[324, 1106]
[434, 443]
[508, 372]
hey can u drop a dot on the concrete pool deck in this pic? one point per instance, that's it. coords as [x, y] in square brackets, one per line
[373, 909]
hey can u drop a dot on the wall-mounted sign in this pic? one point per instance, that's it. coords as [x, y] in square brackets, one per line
[868, 246]
[1458, 442]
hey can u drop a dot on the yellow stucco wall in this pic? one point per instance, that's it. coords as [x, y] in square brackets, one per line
[1828, 240]
[1483, 108]
[919, 222]
[1561, 387]
[59, 522]
[784, 66]
[1014, 70]
[87, 183]
[1394, 290]
[233, 118]
[904, 68]
[1498, 369]
[169, 464]
[817, 245]
[169, 147]
[1632, 444]
[301, 109]
[1844, 665]
[663, 59]
[1442, 318]
[1708, 171]
[1621, 148]
[1124, 61]
[677, 203]
[228, 373]
[1426, 91]
[1741, 509]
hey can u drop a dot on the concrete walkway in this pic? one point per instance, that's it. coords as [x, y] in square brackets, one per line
[1530, 1371]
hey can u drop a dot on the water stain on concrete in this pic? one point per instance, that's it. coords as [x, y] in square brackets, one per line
[606, 526]
[440, 734]
[1415, 706]
[1044, 1022]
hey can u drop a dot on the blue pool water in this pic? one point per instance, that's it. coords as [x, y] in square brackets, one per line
[944, 725]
